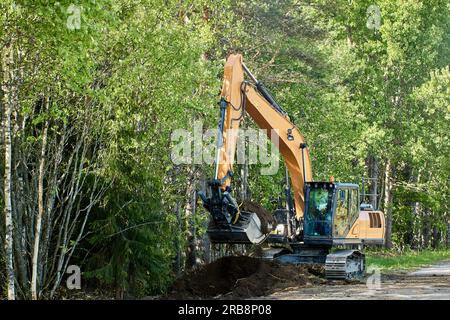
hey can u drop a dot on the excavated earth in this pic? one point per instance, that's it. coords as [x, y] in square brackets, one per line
[240, 277]
[243, 277]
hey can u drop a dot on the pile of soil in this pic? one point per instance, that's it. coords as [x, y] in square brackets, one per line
[264, 216]
[241, 277]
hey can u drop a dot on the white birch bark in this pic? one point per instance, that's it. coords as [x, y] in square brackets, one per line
[7, 87]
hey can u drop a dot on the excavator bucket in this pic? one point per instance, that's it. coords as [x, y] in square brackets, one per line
[245, 224]
[247, 230]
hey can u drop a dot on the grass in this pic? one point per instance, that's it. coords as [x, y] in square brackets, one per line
[389, 260]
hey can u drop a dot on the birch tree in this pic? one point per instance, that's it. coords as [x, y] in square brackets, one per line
[8, 89]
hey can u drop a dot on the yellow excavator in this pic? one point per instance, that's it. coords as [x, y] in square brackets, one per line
[324, 222]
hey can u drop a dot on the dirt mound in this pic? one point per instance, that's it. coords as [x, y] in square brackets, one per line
[265, 216]
[240, 277]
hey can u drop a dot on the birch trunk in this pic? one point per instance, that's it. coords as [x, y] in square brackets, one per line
[7, 87]
[37, 236]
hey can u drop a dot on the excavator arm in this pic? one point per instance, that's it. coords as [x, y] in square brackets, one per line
[238, 98]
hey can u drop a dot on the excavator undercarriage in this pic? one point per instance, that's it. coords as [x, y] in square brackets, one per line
[345, 264]
[342, 264]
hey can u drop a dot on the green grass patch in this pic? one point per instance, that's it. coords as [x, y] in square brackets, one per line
[390, 260]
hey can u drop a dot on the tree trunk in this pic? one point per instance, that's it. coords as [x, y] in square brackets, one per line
[18, 197]
[374, 182]
[426, 228]
[436, 237]
[192, 238]
[448, 232]
[388, 197]
[416, 209]
[8, 88]
[178, 241]
[191, 254]
[205, 240]
[37, 236]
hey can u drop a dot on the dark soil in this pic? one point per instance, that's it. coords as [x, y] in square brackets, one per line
[265, 216]
[242, 277]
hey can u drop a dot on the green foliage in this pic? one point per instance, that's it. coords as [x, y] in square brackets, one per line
[387, 260]
[131, 246]
[139, 69]
[354, 93]
[157, 82]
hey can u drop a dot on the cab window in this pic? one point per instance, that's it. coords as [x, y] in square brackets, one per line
[347, 211]
[354, 205]
[318, 220]
[341, 213]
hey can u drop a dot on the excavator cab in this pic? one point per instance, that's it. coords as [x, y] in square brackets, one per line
[330, 211]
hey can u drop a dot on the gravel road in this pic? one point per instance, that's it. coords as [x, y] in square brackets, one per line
[432, 282]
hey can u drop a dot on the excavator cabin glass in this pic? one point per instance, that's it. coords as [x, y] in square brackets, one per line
[320, 206]
[330, 211]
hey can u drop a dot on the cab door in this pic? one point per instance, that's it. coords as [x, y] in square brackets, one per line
[346, 211]
[318, 213]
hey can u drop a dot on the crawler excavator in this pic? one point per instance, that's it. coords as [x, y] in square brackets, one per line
[324, 222]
